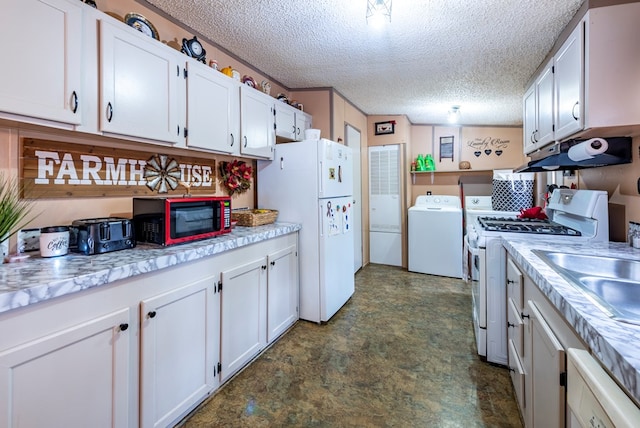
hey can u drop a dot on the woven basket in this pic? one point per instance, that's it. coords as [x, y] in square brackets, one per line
[253, 218]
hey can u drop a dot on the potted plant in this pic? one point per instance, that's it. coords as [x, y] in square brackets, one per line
[14, 211]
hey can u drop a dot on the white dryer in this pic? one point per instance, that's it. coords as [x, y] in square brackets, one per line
[435, 235]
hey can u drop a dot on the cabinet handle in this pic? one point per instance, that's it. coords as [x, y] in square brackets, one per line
[74, 101]
[273, 263]
[245, 141]
[510, 325]
[522, 315]
[510, 281]
[573, 110]
[298, 132]
[109, 112]
[124, 326]
[294, 129]
[151, 314]
[232, 140]
[264, 267]
[512, 370]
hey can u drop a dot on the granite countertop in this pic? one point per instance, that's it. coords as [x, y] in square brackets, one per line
[38, 279]
[615, 344]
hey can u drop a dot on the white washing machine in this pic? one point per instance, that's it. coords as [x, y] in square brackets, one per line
[435, 235]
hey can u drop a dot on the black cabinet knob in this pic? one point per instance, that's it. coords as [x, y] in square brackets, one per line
[151, 314]
[124, 326]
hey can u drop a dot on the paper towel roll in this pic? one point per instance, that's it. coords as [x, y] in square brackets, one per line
[588, 149]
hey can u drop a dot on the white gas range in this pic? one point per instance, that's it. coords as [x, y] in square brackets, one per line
[474, 207]
[574, 215]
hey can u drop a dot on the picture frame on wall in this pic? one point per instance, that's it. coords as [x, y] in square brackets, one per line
[383, 128]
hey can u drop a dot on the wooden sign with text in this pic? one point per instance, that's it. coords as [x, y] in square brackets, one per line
[53, 169]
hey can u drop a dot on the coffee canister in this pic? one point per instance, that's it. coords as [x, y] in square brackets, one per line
[54, 241]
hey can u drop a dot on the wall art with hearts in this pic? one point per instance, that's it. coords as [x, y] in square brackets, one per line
[488, 148]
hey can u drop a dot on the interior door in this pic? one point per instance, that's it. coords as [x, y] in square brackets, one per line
[353, 141]
[385, 205]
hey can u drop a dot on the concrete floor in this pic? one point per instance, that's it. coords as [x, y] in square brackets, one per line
[400, 353]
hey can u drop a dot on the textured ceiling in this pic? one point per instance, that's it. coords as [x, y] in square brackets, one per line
[478, 54]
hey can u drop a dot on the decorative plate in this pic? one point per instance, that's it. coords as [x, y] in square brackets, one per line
[141, 24]
[249, 81]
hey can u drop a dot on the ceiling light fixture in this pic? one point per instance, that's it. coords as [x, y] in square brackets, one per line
[454, 114]
[378, 11]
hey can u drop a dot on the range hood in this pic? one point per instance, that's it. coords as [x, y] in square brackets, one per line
[591, 153]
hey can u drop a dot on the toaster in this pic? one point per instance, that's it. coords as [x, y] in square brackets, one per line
[101, 235]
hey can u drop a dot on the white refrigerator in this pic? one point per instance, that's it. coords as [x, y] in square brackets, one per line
[311, 183]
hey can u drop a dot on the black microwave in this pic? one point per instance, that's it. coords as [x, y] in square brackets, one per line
[169, 221]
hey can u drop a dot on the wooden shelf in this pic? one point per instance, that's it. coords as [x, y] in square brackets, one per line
[458, 172]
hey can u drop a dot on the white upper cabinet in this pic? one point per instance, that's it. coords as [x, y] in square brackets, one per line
[212, 110]
[611, 69]
[140, 80]
[42, 52]
[593, 79]
[290, 123]
[538, 111]
[529, 120]
[544, 106]
[303, 122]
[257, 123]
[285, 121]
[569, 84]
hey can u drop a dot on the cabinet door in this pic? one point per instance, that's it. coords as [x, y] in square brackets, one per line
[303, 122]
[257, 123]
[547, 364]
[569, 84]
[282, 291]
[530, 120]
[544, 103]
[178, 351]
[517, 374]
[139, 85]
[243, 317]
[41, 46]
[210, 111]
[285, 121]
[78, 377]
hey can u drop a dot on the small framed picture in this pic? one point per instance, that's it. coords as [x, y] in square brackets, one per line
[382, 128]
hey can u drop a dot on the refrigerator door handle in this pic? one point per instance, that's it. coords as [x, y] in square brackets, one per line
[321, 190]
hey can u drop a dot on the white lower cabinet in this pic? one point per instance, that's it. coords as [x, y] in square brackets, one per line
[178, 351]
[74, 377]
[259, 300]
[546, 372]
[282, 291]
[538, 336]
[243, 309]
[145, 351]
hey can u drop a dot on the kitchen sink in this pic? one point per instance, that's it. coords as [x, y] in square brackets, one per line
[613, 284]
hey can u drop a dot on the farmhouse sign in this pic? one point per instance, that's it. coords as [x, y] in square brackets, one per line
[52, 169]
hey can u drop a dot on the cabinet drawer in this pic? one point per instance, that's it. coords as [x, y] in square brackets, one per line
[516, 371]
[515, 283]
[515, 325]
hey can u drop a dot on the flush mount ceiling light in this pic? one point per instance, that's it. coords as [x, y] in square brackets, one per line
[454, 114]
[378, 11]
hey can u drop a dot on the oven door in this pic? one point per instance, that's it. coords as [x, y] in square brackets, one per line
[479, 299]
